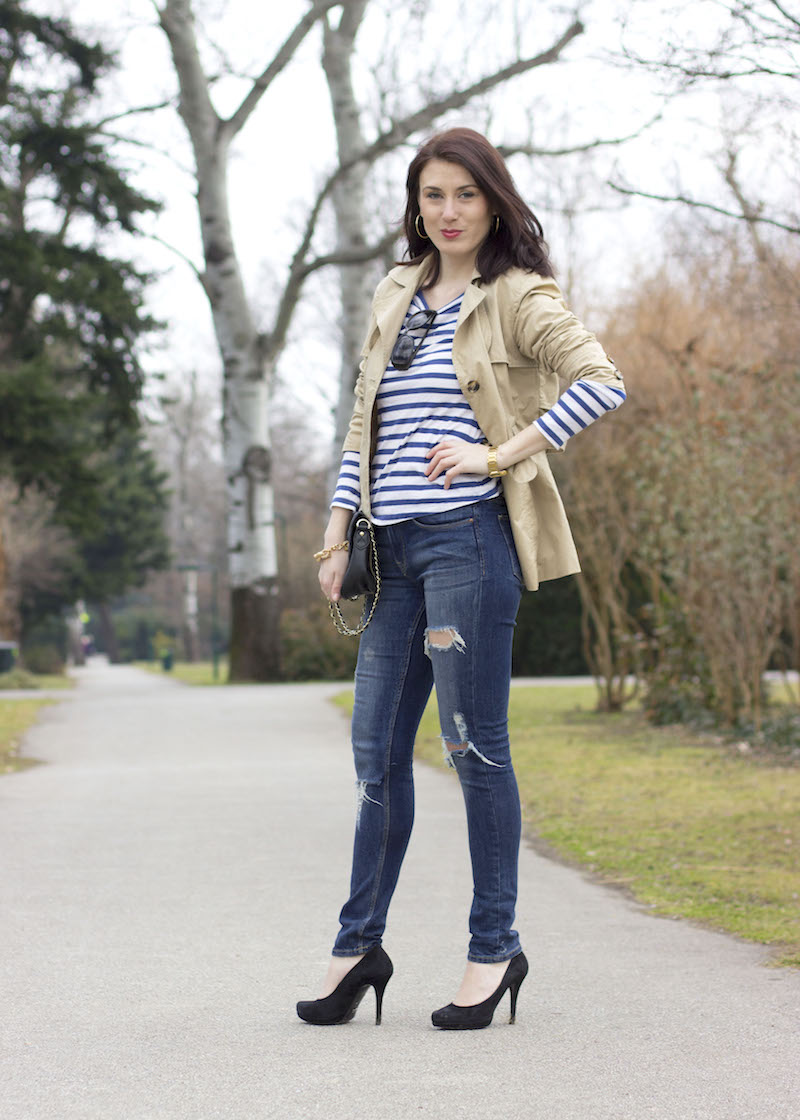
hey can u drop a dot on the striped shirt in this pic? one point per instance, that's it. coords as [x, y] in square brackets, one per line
[418, 407]
[577, 408]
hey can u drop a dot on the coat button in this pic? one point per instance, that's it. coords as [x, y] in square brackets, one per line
[473, 386]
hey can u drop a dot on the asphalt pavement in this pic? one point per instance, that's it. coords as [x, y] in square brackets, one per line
[171, 876]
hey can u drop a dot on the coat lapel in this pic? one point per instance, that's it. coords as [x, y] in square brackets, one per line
[390, 310]
[473, 297]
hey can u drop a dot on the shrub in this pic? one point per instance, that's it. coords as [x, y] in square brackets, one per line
[44, 658]
[136, 629]
[312, 649]
[18, 678]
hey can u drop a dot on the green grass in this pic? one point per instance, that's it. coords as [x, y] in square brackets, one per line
[16, 716]
[189, 672]
[690, 828]
[18, 678]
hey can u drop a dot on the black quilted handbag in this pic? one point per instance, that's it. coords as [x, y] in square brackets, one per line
[363, 575]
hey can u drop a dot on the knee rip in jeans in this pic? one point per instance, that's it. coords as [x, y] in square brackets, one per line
[447, 637]
[361, 797]
[463, 748]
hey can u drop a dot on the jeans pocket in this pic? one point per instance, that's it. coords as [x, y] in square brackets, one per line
[447, 519]
[504, 521]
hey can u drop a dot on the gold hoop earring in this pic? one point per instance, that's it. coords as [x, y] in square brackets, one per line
[496, 224]
[424, 236]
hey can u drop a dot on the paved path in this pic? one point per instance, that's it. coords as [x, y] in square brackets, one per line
[170, 881]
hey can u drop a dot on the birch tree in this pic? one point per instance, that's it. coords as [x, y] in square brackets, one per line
[185, 437]
[356, 153]
[249, 356]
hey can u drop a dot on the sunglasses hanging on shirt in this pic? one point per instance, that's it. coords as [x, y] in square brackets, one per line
[407, 345]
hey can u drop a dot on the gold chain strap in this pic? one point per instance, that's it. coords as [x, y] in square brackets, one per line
[336, 614]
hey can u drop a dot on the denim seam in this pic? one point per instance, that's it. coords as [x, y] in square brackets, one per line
[479, 514]
[496, 876]
[486, 776]
[504, 522]
[485, 773]
[387, 806]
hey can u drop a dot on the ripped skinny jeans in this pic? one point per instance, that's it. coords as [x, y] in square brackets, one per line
[451, 586]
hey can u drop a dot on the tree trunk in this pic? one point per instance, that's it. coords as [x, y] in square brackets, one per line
[255, 630]
[348, 201]
[76, 653]
[190, 637]
[5, 620]
[255, 646]
[249, 358]
[109, 634]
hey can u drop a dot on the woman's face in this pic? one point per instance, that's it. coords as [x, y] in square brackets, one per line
[455, 211]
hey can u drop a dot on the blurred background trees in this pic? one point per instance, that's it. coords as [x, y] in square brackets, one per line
[250, 355]
[658, 143]
[72, 320]
[690, 553]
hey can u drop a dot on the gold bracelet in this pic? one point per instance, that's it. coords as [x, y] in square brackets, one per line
[494, 470]
[324, 553]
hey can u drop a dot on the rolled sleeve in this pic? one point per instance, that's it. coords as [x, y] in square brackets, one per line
[546, 331]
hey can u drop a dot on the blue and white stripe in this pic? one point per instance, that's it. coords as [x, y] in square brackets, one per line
[577, 408]
[419, 406]
[348, 488]
[416, 408]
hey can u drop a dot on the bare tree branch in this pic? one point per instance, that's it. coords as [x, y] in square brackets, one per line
[291, 290]
[750, 213]
[273, 341]
[352, 256]
[407, 126]
[786, 15]
[388, 141]
[119, 138]
[507, 150]
[352, 16]
[750, 44]
[195, 105]
[695, 73]
[169, 103]
[284, 56]
[705, 206]
[179, 253]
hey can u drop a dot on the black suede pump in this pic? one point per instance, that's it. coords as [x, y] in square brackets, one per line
[374, 970]
[478, 1015]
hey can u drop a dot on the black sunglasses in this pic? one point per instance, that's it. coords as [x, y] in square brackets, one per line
[405, 348]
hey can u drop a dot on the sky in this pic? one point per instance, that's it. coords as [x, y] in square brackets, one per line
[287, 148]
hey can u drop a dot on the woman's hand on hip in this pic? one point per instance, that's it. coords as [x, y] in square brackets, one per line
[452, 457]
[331, 574]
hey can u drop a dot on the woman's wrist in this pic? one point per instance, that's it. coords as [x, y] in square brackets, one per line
[326, 553]
[495, 467]
[528, 442]
[336, 529]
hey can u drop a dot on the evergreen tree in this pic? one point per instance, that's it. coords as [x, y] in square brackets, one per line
[71, 313]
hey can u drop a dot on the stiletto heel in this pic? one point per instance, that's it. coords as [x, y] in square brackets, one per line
[478, 1015]
[380, 988]
[514, 993]
[374, 970]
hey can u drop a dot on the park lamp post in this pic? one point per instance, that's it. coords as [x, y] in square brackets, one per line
[190, 570]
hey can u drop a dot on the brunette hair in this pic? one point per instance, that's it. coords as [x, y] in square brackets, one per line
[518, 243]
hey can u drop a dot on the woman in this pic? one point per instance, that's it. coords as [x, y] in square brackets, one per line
[456, 404]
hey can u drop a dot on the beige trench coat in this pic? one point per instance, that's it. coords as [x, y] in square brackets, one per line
[514, 339]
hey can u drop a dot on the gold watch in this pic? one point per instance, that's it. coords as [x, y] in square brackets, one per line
[494, 470]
